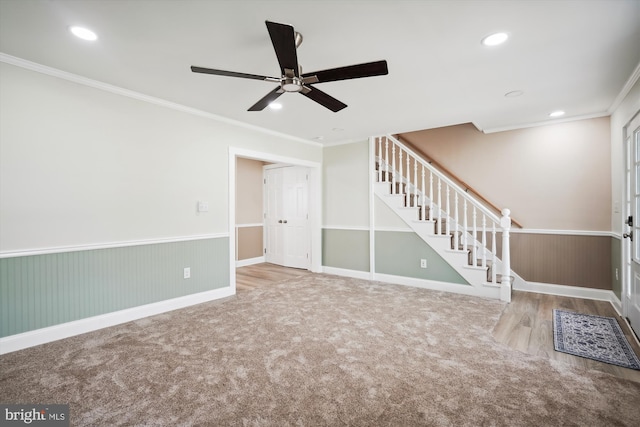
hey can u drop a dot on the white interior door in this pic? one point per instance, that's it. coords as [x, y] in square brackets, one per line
[273, 233]
[631, 289]
[287, 233]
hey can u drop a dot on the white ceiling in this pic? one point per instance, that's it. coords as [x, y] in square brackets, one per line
[574, 55]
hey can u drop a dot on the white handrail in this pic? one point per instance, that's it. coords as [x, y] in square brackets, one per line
[444, 178]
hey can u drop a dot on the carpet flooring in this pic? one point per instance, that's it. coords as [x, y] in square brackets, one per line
[315, 351]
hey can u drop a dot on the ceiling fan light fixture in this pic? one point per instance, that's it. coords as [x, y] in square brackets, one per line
[275, 106]
[495, 39]
[291, 84]
[555, 114]
[83, 33]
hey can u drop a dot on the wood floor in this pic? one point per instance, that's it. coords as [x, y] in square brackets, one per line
[526, 323]
[265, 274]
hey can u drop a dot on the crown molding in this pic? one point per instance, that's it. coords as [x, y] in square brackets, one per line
[631, 81]
[549, 122]
[75, 78]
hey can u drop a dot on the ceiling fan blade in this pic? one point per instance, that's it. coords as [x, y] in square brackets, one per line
[283, 38]
[231, 74]
[370, 69]
[323, 99]
[268, 99]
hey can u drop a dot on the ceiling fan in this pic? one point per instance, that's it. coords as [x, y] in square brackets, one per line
[285, 42]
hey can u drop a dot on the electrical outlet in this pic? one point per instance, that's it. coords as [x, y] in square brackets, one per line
[187, 272]
[423, 263]
[203, 207]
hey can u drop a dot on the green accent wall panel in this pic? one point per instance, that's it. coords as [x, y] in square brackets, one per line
[348, 249]
[399, 253]
[45, 290]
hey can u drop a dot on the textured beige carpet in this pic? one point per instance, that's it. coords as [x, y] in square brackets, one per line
[319, 350]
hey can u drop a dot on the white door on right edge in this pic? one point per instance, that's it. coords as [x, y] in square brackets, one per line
[631, 292]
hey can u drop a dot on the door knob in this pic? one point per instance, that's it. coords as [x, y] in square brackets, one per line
[280, 222]
[628, 235]
[285, 221]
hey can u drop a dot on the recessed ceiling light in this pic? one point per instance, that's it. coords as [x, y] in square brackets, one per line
[318, 138]
[275, 106]
[514, 94]
[495, 39]
[337, 129]
[557, 113]
[83, 33]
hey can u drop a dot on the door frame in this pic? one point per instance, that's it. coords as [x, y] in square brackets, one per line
[315, 204]
[626, 245]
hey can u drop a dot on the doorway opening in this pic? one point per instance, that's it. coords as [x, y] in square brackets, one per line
[313, 202]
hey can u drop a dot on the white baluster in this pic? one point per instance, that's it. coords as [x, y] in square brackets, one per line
[474, 248]
[393, 168]
[400, 174]
[439, 227]
[424, 193]
[408, 180]
[456, 234]
[448, 216]
[380, 160]
[494, 266]
[386, 158]
[415, 183]
[465, 228]
[484, 241]
[430, 195]
[505, 288]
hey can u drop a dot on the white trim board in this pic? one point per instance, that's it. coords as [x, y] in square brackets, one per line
[249, 261]
[356, 274]
[486, 292]
[109, 245]
[542, 123]
[512, 230]
[65, 330]
[573, 292]
[562, 232]
[345, 227]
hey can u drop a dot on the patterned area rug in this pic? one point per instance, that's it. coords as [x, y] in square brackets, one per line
[594, 337]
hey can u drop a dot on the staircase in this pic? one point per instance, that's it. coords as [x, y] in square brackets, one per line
[458, 227]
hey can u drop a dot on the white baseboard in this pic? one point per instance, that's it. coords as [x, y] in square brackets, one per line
[65, 330]
[356, 274]
[249, 261]
[478, 291]
[488, 292]
[572, 291]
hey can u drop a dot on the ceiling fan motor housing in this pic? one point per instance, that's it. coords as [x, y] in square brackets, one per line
[291, 84]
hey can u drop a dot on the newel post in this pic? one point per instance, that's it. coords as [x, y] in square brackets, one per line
[505, 289]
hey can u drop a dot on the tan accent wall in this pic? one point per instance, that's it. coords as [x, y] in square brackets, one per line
[560, 259]
[249, 242]
[249, 189]
[554, 177]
